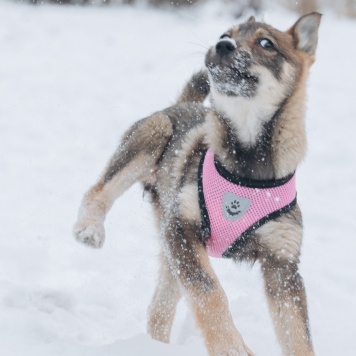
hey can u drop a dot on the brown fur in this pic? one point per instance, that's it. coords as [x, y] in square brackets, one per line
[196, 90]
[256, 130]
[163, 306]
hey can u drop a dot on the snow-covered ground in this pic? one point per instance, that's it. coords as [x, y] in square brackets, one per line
[72, 80]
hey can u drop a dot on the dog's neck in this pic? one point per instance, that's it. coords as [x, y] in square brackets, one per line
[247, 116]
[258, 139]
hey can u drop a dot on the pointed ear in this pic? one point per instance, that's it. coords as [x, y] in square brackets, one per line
[251, 19]
[305, 32]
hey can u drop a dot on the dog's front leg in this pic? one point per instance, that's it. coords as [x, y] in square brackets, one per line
[287, 303]
[280, 242]
[134, 160]
[189, 261]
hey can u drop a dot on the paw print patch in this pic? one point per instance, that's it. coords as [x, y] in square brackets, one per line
[234, 207]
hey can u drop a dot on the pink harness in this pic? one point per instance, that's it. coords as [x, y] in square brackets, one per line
[233, 207]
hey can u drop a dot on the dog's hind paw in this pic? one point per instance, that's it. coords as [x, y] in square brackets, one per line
[89, 232]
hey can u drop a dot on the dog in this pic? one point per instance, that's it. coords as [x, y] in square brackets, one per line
[250, 140]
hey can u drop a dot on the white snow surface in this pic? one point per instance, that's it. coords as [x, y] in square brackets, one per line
[72, 79]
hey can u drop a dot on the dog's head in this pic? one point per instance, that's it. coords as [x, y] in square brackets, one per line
[255, 60]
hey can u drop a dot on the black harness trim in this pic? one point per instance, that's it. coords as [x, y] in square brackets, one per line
[250, 183]
[203, 210]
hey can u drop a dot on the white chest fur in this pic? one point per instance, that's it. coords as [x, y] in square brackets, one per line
[248, 115]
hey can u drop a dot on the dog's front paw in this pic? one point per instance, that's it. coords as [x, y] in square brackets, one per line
[235, 346]
[247, 351]
[89, 232]
[236, 352]
[240, 351]
[243, 350]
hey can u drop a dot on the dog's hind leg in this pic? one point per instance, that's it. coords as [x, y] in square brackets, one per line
[134, 160]
[189, 260]
[280, 243]
[163, 305]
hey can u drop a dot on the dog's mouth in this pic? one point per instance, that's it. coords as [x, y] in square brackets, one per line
[231, 76]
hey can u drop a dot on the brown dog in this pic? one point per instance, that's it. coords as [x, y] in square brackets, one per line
[255, 128]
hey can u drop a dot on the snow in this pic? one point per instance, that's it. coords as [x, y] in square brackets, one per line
[228, 39]
[72, 79]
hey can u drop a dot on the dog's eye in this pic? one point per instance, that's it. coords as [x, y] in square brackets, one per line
[224, 36]
[266, 44]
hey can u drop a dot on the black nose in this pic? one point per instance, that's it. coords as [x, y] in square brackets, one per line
[224, 47]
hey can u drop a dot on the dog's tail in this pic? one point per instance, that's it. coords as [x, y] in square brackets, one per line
[196, 90]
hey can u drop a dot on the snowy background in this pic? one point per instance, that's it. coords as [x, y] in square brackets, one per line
[72, 79]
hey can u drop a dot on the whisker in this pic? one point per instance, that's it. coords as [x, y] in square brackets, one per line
[189, 55]
[200, 42]
[199, 45]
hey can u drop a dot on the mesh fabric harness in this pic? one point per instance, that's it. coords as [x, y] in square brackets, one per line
[233, 207]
